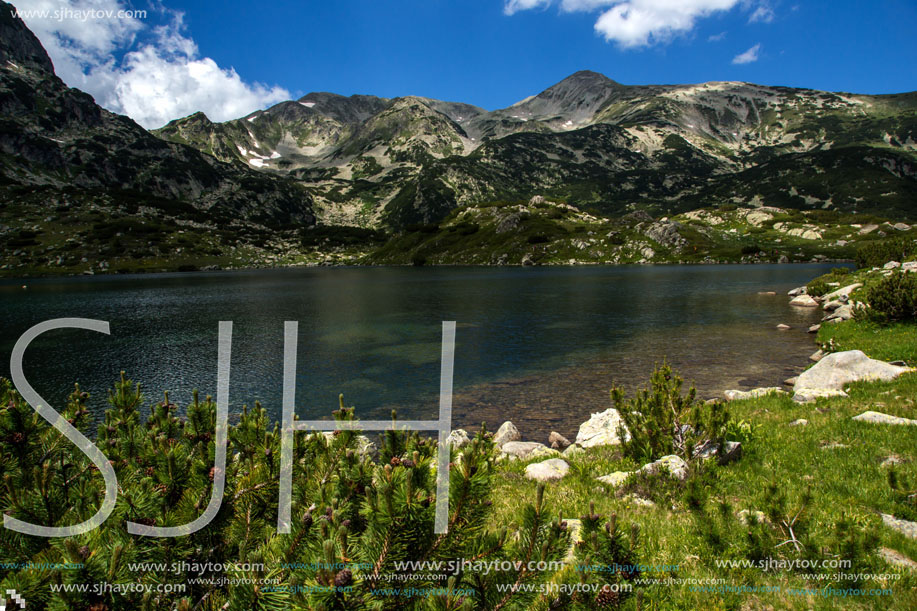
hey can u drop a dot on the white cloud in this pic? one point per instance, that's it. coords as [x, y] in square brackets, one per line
[514, 6]
[763, 13]
[716, 37]
[156, 81]
[748, 56]
[637, 23]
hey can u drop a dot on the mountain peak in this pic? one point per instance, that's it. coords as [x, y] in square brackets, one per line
[589, 75]
[18, 45]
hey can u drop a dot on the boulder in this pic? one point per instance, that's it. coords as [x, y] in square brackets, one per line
[524, 450]
[905, 527]
[808, 395]
[527, 260]
[572, 450]
[797, 291]
[891, 265]
[817, 356]
[804, 301]
[783, 327]
[814, 328]
[843, 293]
[845, 312]
[830, 306]
[901, 227]
[615, 479]
[549, 470]
[558, 441]
[880, 418]
[674, 465]
[791, 381]
[896, 558]
[738, 395]
[506, 432]
[833, 371]
[910, 266]
[601, 430]
[799, 422]
[458, 438]
[731, 450]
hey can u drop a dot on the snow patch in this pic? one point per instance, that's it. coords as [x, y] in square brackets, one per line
[275, 155]
[258, 163]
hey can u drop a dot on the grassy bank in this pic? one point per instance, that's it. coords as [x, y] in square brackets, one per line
[830, 472]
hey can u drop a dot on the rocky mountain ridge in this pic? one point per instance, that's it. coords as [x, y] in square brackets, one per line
[588, 140]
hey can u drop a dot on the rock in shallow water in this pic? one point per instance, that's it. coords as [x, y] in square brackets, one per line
[804, 301]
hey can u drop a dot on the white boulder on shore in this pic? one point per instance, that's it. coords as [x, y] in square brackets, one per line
[549, 470]
[601, 430]
[833, 371]
[523, 450]
[506, 433]
[804, 301]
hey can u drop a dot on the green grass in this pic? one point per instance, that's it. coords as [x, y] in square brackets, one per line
[847, 484]
[894, 342]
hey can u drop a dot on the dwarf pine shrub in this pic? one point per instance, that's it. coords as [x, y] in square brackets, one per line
[356, 516]
[660, 420]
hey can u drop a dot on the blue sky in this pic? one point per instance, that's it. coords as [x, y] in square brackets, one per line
[486, 52]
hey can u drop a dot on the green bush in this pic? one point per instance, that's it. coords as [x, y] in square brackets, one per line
[893, 298]
[661, 421]
[879, 252]
[355, 510]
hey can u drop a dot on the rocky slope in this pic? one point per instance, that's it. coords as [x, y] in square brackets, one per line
[589, 141]
[542, 232]
[57, 138]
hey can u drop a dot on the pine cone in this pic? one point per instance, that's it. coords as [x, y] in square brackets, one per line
[395, 461]
[343, 578]
[84, 552]
[17, 437]
[607, 597]
[408, 463]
